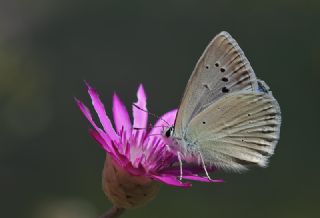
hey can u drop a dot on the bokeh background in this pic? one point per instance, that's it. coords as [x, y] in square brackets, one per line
[51, 168]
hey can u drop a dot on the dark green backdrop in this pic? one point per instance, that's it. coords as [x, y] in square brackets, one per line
[51, 168]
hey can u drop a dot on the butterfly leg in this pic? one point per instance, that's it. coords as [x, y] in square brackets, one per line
[180, 163]
[204, 166]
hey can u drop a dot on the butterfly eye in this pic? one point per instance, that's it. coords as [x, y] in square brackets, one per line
[169, 132]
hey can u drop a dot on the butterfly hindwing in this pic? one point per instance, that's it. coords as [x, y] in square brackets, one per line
[238, 130]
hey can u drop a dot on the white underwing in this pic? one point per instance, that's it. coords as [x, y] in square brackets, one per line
[227, 117]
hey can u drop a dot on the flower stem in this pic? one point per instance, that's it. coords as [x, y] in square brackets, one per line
[113, 212]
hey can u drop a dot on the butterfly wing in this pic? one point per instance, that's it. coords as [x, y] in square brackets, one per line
[238, 130]
[222, 69]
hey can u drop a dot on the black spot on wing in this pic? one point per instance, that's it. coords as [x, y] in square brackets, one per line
[225, 79]
[225, 90]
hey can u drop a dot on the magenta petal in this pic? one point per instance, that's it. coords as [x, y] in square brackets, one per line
[99, 107]
[87, 114]
[94, 134]
[136, 171]
[121, 116]
[171, 180]
[201, 179]
[140, 116]
[188, 169]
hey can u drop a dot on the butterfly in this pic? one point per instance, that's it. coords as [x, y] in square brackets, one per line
[227, 117]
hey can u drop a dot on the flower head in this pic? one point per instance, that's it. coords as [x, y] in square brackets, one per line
[133, 148]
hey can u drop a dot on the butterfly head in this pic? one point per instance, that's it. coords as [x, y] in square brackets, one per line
[168, 132]
[171, 140]
[168, 138]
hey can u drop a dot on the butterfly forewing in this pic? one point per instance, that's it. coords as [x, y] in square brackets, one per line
[238, 130]
[222, 69]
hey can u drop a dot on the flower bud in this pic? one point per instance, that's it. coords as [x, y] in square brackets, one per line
[125, 190]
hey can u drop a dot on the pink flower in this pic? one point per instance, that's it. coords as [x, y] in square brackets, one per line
[132, 147]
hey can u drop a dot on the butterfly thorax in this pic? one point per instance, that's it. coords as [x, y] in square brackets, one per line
[178, 144]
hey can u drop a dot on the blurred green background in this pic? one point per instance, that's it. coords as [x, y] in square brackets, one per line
[51, 168]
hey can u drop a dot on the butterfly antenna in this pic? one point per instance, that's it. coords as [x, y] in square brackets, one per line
[153, 134]
[138, 128]
[152, 114]
[204, 166]
[180, 163]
